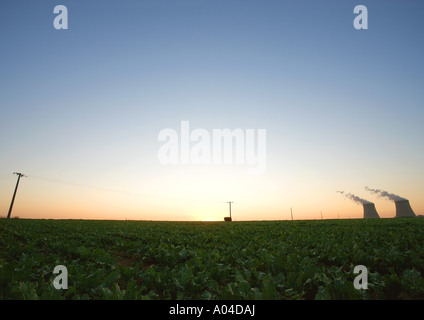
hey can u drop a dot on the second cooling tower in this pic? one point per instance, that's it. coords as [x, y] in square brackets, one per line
[370, 211]
[403, 209]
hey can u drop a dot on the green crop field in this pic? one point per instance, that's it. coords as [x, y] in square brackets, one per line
[212, 260]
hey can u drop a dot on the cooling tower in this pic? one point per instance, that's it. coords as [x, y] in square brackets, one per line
[403, 209]
[369, 211]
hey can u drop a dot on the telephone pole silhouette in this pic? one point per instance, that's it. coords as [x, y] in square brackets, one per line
[229, 218]
[230, 202]
[14, 194]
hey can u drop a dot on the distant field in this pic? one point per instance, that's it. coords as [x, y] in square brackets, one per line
[212, 260]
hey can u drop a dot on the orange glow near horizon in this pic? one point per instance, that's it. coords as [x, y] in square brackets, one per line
[184, 196]
[86, 205]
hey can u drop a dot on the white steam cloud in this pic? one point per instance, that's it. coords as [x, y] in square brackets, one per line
[352, 197]
[385, 194]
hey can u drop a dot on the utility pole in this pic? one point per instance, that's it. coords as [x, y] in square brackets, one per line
[14, 194]
[230, 202]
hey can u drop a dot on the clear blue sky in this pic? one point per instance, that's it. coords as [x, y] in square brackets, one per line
[343, 108]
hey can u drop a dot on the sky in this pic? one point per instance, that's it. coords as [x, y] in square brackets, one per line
[81, 108]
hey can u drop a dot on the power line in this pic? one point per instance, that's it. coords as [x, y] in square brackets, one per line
[76, 184]
[118, 191]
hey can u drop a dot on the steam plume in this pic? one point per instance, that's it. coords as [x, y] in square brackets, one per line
[352, 197]
[385, 194]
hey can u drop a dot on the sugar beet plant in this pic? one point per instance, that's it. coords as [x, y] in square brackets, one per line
[216, 260]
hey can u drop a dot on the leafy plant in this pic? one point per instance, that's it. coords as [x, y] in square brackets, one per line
[192, 260]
